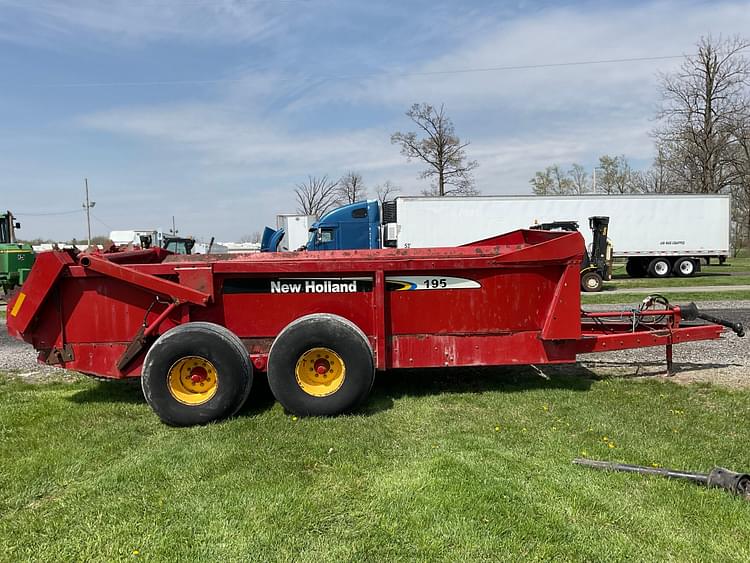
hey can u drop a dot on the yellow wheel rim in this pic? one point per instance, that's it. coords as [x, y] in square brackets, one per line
[192, 380]
[320, 372]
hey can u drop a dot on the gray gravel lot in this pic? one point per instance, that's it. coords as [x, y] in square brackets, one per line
[726, 361]
[19, 358]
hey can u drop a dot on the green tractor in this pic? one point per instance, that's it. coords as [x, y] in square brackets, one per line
[16, 258]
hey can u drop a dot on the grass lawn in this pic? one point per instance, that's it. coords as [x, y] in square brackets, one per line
[740, 264]
[439, 465]
[676, 298]
[699, 280]
[709, 275]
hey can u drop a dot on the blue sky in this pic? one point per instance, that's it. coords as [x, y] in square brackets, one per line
[212, 110]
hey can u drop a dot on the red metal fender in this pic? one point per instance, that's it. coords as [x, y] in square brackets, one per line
[24, 306]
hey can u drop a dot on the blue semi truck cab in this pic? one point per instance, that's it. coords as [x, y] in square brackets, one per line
[353, 226]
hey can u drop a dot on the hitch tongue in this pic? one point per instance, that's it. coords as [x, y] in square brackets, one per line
[691, 312]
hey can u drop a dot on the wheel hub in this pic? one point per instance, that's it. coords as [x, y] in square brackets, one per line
[192, 380]
[322, 366]
[198, 374]
[320, 372]
[661, 268]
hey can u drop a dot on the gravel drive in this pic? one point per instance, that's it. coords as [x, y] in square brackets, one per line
[725, 361]
[19, 358]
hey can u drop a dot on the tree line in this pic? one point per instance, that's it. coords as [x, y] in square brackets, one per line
[701, 138]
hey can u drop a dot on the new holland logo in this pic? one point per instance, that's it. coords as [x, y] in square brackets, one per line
[314, 286]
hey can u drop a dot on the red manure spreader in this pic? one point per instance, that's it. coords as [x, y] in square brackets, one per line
[196, 329]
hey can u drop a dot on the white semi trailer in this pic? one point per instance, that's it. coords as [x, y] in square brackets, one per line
[296, 229]
[660, 235]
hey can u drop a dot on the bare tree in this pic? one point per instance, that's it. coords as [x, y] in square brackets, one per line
[553, 180]
[541, 183]
[253, 237]
[702, 102]
[439, 148]
[386, 191]
[657, 179]
[579, 179]
[316, 195]
[351, 188]
[616, 176]
[741, 189]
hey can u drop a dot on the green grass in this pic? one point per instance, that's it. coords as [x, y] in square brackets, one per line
[635, 298]
[741, 264]
[439, 465]
[696, 281]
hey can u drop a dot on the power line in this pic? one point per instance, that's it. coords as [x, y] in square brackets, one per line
[367, 75]
[102, 222]
[21, 213]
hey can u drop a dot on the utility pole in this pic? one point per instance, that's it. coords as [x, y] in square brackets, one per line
[88, 205]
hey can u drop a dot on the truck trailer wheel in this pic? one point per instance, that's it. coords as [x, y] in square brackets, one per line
[659, 268]
[636, 268]
[196, 373]
[684, 267]
[320, 365]
[591, 282]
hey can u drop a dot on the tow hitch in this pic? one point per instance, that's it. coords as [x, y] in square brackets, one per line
[691, 312]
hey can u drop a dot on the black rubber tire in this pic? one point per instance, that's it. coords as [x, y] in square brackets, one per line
[636, 268]
[684, 268]
[212, 342]
[591, 282]
[328, 331]
[660, 267]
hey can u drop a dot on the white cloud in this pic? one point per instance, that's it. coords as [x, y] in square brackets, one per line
[49, 21]
[224, 136]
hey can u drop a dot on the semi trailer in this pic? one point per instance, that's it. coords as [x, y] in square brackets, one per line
[658, 235]
[197, 329]
[16, 258]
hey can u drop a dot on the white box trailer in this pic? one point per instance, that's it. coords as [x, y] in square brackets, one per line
[658, 234]
[296, 230]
